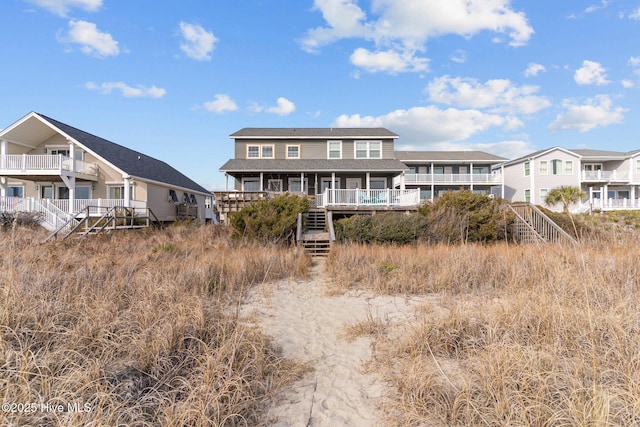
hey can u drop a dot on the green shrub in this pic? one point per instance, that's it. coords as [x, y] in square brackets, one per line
[463, 216]
[270, 221]
[381, 228]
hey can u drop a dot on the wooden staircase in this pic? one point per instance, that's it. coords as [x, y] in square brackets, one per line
[315, 240]
[533, 226]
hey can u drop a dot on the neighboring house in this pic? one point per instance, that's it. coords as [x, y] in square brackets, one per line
[48, 165]
[348, 166]
[435, 172]
[609, 179]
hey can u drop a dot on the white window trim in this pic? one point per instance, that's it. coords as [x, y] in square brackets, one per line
[293, 145]
[339, 142]
[568, 167]
[546, 167]
[527, 168]
[120, 184]
[368, 155]
[273, 151]
[259, 151]
[270, 180]
[252, 179]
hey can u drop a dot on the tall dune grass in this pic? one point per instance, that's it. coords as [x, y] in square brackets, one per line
[137, 328]
[509, 335]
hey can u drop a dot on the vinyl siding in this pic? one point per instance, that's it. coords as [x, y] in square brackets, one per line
[310, 149]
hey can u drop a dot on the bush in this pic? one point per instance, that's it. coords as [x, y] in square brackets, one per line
[381, 228]
[270, 221]
[26, 219]
[463, 216]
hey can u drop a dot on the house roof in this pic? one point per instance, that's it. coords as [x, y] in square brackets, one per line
[448, 156]
[600, 154]
[582, 153]
[312, 133]
[313, 165]
[538, 153]
[129, 161]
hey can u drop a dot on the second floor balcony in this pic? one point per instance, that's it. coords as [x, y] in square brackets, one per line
[605, 176]
[450, 178]
[25, 165]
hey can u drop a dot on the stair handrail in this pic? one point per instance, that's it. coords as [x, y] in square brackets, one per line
[535, 211]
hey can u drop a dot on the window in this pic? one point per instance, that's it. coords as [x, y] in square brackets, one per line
[556, 167]
[377, 183]
[267, 151]
[623, 194]
[368, 150]
[543, 167]
[64, 152]
[250, 184]
[253, 152]
[543, 193]
[293, 151]
[173, 197]
[527, 170]
[438, 170]
[334, 149]
[527, 196]
[15, 191]
[83, 192]
[193, 199]
[568, 167]
[259, 151]
[274, 185]
[63, 193]
[116, 192]
[637, 166]
[295, 185]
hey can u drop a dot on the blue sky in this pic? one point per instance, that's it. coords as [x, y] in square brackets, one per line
[173, 79]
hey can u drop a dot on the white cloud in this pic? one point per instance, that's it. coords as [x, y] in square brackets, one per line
[92, 41]
[284, 107]
[534, 69]
[388, 60]
[591, 73]
[127, 91]
[428, 124]
[459, 56]
[198, 43]
[603, 4]
[635, 14]
[498, 95]
[628, 84]
[404, 26]
[220, 104]
[634, 61]
[62, 7]
[596, 112]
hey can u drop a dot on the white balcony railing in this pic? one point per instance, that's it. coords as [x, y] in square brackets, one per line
[613, 175]
[357, 197]
[44, 163]
[613, 204]
[99, 204]
[452, 178]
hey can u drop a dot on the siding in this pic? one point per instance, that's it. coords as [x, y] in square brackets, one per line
[316, 149]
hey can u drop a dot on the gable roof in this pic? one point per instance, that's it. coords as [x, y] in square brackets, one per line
[448, 156]
[539, 153]
[129, 161]
[312, 133]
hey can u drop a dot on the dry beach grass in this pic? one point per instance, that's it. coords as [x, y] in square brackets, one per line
[146, 328]
[511, 335]
[137, 329]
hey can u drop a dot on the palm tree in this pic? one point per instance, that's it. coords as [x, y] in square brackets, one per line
[564, 194]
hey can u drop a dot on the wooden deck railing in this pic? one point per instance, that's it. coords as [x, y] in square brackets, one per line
[533, 225]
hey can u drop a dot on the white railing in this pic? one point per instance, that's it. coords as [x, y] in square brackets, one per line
[452, 178]
[613, 204]
[44, 162]
[98, 204]
[357, 197]
[613, 175]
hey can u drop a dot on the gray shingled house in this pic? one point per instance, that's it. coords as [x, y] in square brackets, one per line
[54, 168]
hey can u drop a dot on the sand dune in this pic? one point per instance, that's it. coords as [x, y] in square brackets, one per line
[310, 327]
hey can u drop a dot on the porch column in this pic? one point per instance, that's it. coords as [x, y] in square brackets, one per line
[72, 193]
[3, 186]
[302, 182]
[632, 196]
[333, 181]
[471, 176]
[3, 147]
[605, 195]
[226, 182]
[127, 191]
[72, 155]
[315, 184]
[261, 183]
[368, 180]
[502, 179]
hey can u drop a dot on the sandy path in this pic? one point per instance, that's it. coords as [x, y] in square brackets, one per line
[310, 327]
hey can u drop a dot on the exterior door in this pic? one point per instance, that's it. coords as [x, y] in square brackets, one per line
[353, 183]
